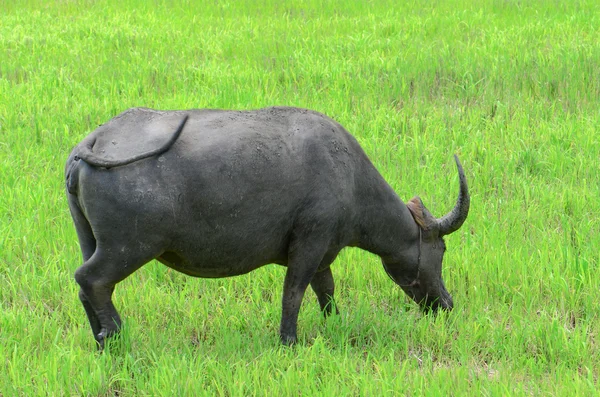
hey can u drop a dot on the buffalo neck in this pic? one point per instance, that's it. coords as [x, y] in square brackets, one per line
[387, 227]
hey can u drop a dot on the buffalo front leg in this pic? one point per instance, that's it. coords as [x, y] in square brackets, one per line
[322, 284]
[300, 272]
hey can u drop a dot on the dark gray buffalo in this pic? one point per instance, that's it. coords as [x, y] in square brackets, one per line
[217, 193]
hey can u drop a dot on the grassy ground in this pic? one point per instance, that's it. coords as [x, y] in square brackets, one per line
[512, 87]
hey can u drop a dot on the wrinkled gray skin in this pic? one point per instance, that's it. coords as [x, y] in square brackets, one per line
[222, 193]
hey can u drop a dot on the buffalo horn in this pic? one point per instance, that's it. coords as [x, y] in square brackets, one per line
[454, 219]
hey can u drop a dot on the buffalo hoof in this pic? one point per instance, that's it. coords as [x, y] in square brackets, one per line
[104, 335]
[288, 340]
[100, 341]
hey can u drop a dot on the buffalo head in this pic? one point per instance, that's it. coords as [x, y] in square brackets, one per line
[419, 271]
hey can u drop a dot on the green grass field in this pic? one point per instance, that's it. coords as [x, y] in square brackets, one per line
[513, 87]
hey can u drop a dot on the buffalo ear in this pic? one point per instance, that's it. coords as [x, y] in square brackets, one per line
[420, 214]
[416, 207]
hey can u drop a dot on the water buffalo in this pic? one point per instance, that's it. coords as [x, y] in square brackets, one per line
[219, 193]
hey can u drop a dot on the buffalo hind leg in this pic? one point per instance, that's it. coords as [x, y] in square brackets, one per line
[87, 243]
[322, 284]
[88, 247]
[91, 314]
[97, 278]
